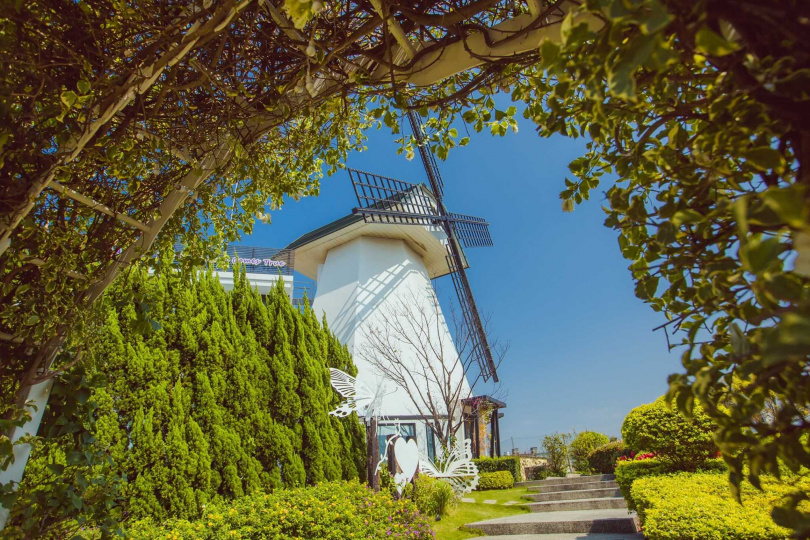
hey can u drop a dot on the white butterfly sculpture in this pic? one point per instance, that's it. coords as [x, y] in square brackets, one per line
[456, 468]
[358, 396]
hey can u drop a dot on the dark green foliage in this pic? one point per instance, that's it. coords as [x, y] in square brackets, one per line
[684, 443]
[582, 445]
[702, 507]
[227, 397]
[70, 481]
[556, 449]
[505, 463]
[602, 459]
[328, 511]
[540, 472]
[495, 480]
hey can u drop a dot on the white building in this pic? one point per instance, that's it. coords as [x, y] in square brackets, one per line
[364, 272]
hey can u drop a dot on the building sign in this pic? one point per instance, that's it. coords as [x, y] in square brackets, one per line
[258, 262]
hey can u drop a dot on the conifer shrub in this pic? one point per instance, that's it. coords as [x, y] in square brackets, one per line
[682, 442]
[505, 463]
[328, 511]
[582, 445]
[602, 459]
[700, 506]
[227, 395]
[495, 480]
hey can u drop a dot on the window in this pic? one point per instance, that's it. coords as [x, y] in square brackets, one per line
[385, 432]
[430, 439]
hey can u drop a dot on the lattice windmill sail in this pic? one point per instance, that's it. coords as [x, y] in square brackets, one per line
[387, 200]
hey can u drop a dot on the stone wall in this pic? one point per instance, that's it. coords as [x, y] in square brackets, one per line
[528, 462]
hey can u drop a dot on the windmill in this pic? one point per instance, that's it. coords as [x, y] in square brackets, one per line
[386, 200]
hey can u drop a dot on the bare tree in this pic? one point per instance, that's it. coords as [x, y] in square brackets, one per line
[411, 346]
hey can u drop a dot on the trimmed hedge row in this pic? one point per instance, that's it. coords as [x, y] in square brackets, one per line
[495, 480]
[329, 511]
[627, 472]
[699, 506]
[506, 463]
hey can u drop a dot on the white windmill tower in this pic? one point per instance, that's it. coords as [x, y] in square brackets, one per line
[385, 253]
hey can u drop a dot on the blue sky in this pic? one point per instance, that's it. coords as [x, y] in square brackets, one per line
[555, 285]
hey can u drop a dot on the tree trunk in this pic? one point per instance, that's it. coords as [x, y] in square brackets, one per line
[372, 455]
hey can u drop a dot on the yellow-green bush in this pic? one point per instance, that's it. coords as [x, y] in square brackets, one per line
[582, 445]
[329, 511]
[495, 480]
[432, 497]
[699, 506]
[628, 472]
[685, 443]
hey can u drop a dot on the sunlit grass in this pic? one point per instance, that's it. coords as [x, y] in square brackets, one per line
[449, 527]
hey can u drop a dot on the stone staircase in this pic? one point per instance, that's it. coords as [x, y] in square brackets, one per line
[586, 507]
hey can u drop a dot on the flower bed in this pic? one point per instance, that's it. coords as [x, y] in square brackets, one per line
[330, 511]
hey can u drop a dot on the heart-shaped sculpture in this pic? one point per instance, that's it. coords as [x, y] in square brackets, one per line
[407, 456]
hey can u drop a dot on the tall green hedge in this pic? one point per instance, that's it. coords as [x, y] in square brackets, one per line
[505, 463]
[228, 396]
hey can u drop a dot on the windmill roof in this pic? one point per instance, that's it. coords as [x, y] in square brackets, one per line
[311, 248]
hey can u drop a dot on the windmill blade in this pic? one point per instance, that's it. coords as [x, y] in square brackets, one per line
[471, 231]
[428, 159]
[479, 351]
[388, 200]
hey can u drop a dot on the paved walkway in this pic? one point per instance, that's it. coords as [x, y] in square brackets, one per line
[573, 508]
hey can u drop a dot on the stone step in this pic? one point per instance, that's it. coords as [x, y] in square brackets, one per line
[574, 495]
[576, 521]
[567, 480]
[565, 536]
[581, 504]
[550, 488]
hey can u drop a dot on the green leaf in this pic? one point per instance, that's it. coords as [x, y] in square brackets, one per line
[568, 205]
[549, 52]
[758, 253]
[32, 320]
[685, 216]
[83, 86]
[788, 203]
[657, 19]
[68, 97]
[765, 158]
[713, 44]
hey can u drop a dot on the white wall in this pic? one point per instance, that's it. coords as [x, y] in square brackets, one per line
[362, 281]
[263, 282]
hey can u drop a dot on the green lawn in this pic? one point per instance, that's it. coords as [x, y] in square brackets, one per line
[463, 513]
